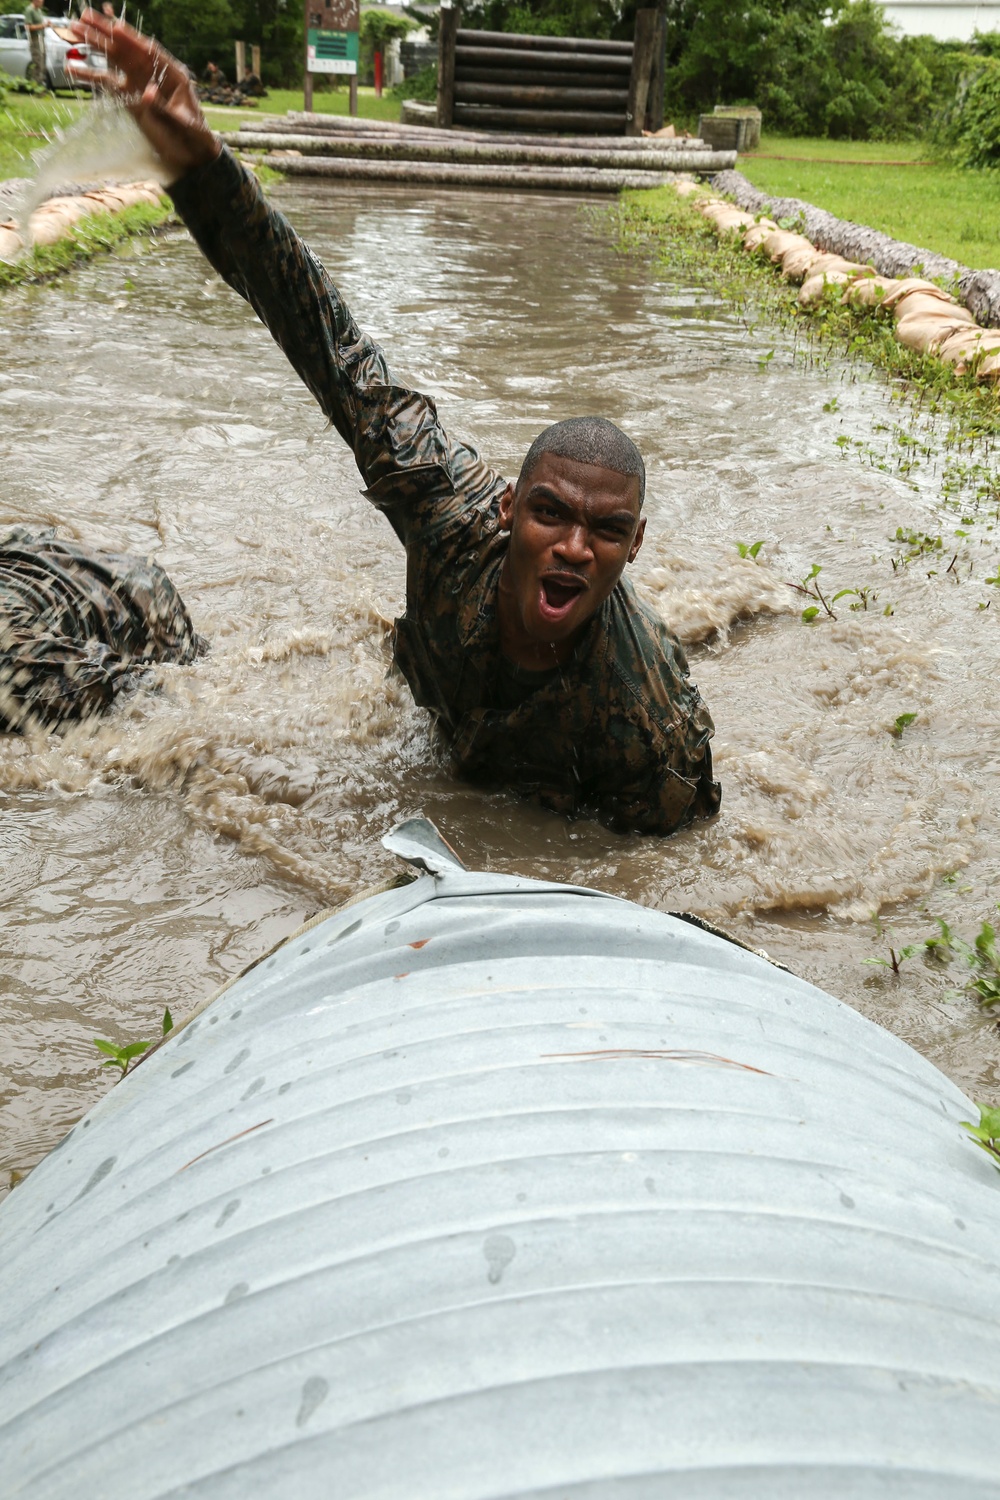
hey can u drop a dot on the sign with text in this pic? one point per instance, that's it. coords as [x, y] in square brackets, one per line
[332, 36]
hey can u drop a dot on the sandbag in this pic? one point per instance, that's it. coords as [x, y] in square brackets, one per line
[798, 262]
[686, 187]
[828, 262]
[10, 243]
[910, 284]
[725, 217]
[919, 305]
[926, 331]
[780, 241]
[755, 237]
[813, 289]
[868, 291]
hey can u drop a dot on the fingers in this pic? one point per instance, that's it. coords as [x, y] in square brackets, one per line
[105, 80]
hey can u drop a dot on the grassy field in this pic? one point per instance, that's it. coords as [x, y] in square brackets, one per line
[279, 101]
[890, 186]
[26, 122]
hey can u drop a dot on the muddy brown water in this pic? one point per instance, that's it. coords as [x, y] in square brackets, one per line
[147, 858]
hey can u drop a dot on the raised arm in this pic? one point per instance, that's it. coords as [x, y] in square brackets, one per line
[394, 432]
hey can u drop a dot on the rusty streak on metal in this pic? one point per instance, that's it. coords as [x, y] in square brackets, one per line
[229, 1138]
[666, 1054]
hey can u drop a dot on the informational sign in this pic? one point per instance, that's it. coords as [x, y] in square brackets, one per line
[332, 36]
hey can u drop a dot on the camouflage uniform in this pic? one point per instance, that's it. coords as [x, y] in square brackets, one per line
[75, 623]
[34, 16]
[618, 728]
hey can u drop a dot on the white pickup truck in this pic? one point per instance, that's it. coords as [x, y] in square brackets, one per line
[60, 48]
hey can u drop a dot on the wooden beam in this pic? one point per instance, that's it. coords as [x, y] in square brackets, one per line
[540, 43]
[519, 78]
[507, 57]
[447, 31]
[488, 117]
[527, 96]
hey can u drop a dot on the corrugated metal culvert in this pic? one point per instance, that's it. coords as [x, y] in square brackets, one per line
[489, 1188]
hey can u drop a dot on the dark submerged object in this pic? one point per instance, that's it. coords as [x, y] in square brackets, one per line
[77, 623]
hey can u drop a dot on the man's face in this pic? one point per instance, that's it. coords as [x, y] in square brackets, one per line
[573, 527]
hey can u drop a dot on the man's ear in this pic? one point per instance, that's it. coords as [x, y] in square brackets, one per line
[637, 543]
[507, 508]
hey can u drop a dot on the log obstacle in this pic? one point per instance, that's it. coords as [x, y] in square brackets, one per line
[313, 145]
[493, 80]
[463, 174]
[485, 153]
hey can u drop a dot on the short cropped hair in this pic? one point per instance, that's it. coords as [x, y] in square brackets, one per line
[588, 440]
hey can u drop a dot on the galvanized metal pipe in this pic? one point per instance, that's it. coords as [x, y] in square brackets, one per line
[487, 1186]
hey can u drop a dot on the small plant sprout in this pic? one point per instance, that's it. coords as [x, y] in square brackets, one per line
[765, 360]
[987, 1133]
[897, 956]
[749, 549]
[122, 1058]
[981, 956]
[900, 723]
[812, 590]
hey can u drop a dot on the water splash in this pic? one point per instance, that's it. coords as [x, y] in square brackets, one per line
[105, 146]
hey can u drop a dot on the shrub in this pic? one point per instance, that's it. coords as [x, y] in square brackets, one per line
[970, 129]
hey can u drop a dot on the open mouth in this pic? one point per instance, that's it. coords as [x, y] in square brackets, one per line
[558, 595]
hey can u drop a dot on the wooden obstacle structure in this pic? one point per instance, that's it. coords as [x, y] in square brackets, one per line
[336, 147]
[492, 80]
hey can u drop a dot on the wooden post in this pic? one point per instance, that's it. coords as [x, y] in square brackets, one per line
[353, 94]
[446, 65]
[255, 60]
[643, 64]
[657, 98]
[241, 61]
[307, 82]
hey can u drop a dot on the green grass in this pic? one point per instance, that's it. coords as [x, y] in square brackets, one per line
[279, 101]
[952, 210]
[26, 121]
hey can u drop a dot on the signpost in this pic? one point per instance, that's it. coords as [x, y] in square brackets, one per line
[332, 44]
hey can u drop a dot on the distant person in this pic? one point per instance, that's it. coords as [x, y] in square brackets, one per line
[36, 22]
[214, 76]
[544, 671]
[77, 624]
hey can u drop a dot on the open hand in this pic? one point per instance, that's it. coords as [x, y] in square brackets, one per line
[156, 89]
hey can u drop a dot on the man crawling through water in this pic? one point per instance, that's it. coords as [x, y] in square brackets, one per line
[521, 634]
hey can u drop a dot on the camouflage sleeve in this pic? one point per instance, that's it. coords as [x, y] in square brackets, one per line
[394, 432]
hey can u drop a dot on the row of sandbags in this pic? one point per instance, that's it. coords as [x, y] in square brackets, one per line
[57, 217]
[927, 319]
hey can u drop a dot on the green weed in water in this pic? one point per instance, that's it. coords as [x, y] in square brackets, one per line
[987, 1132]
[122, 1058]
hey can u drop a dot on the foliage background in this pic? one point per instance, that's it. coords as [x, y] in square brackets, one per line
[829, 68]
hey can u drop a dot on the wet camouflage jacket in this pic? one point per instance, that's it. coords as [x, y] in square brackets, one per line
[75, 622]
[619, 728]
